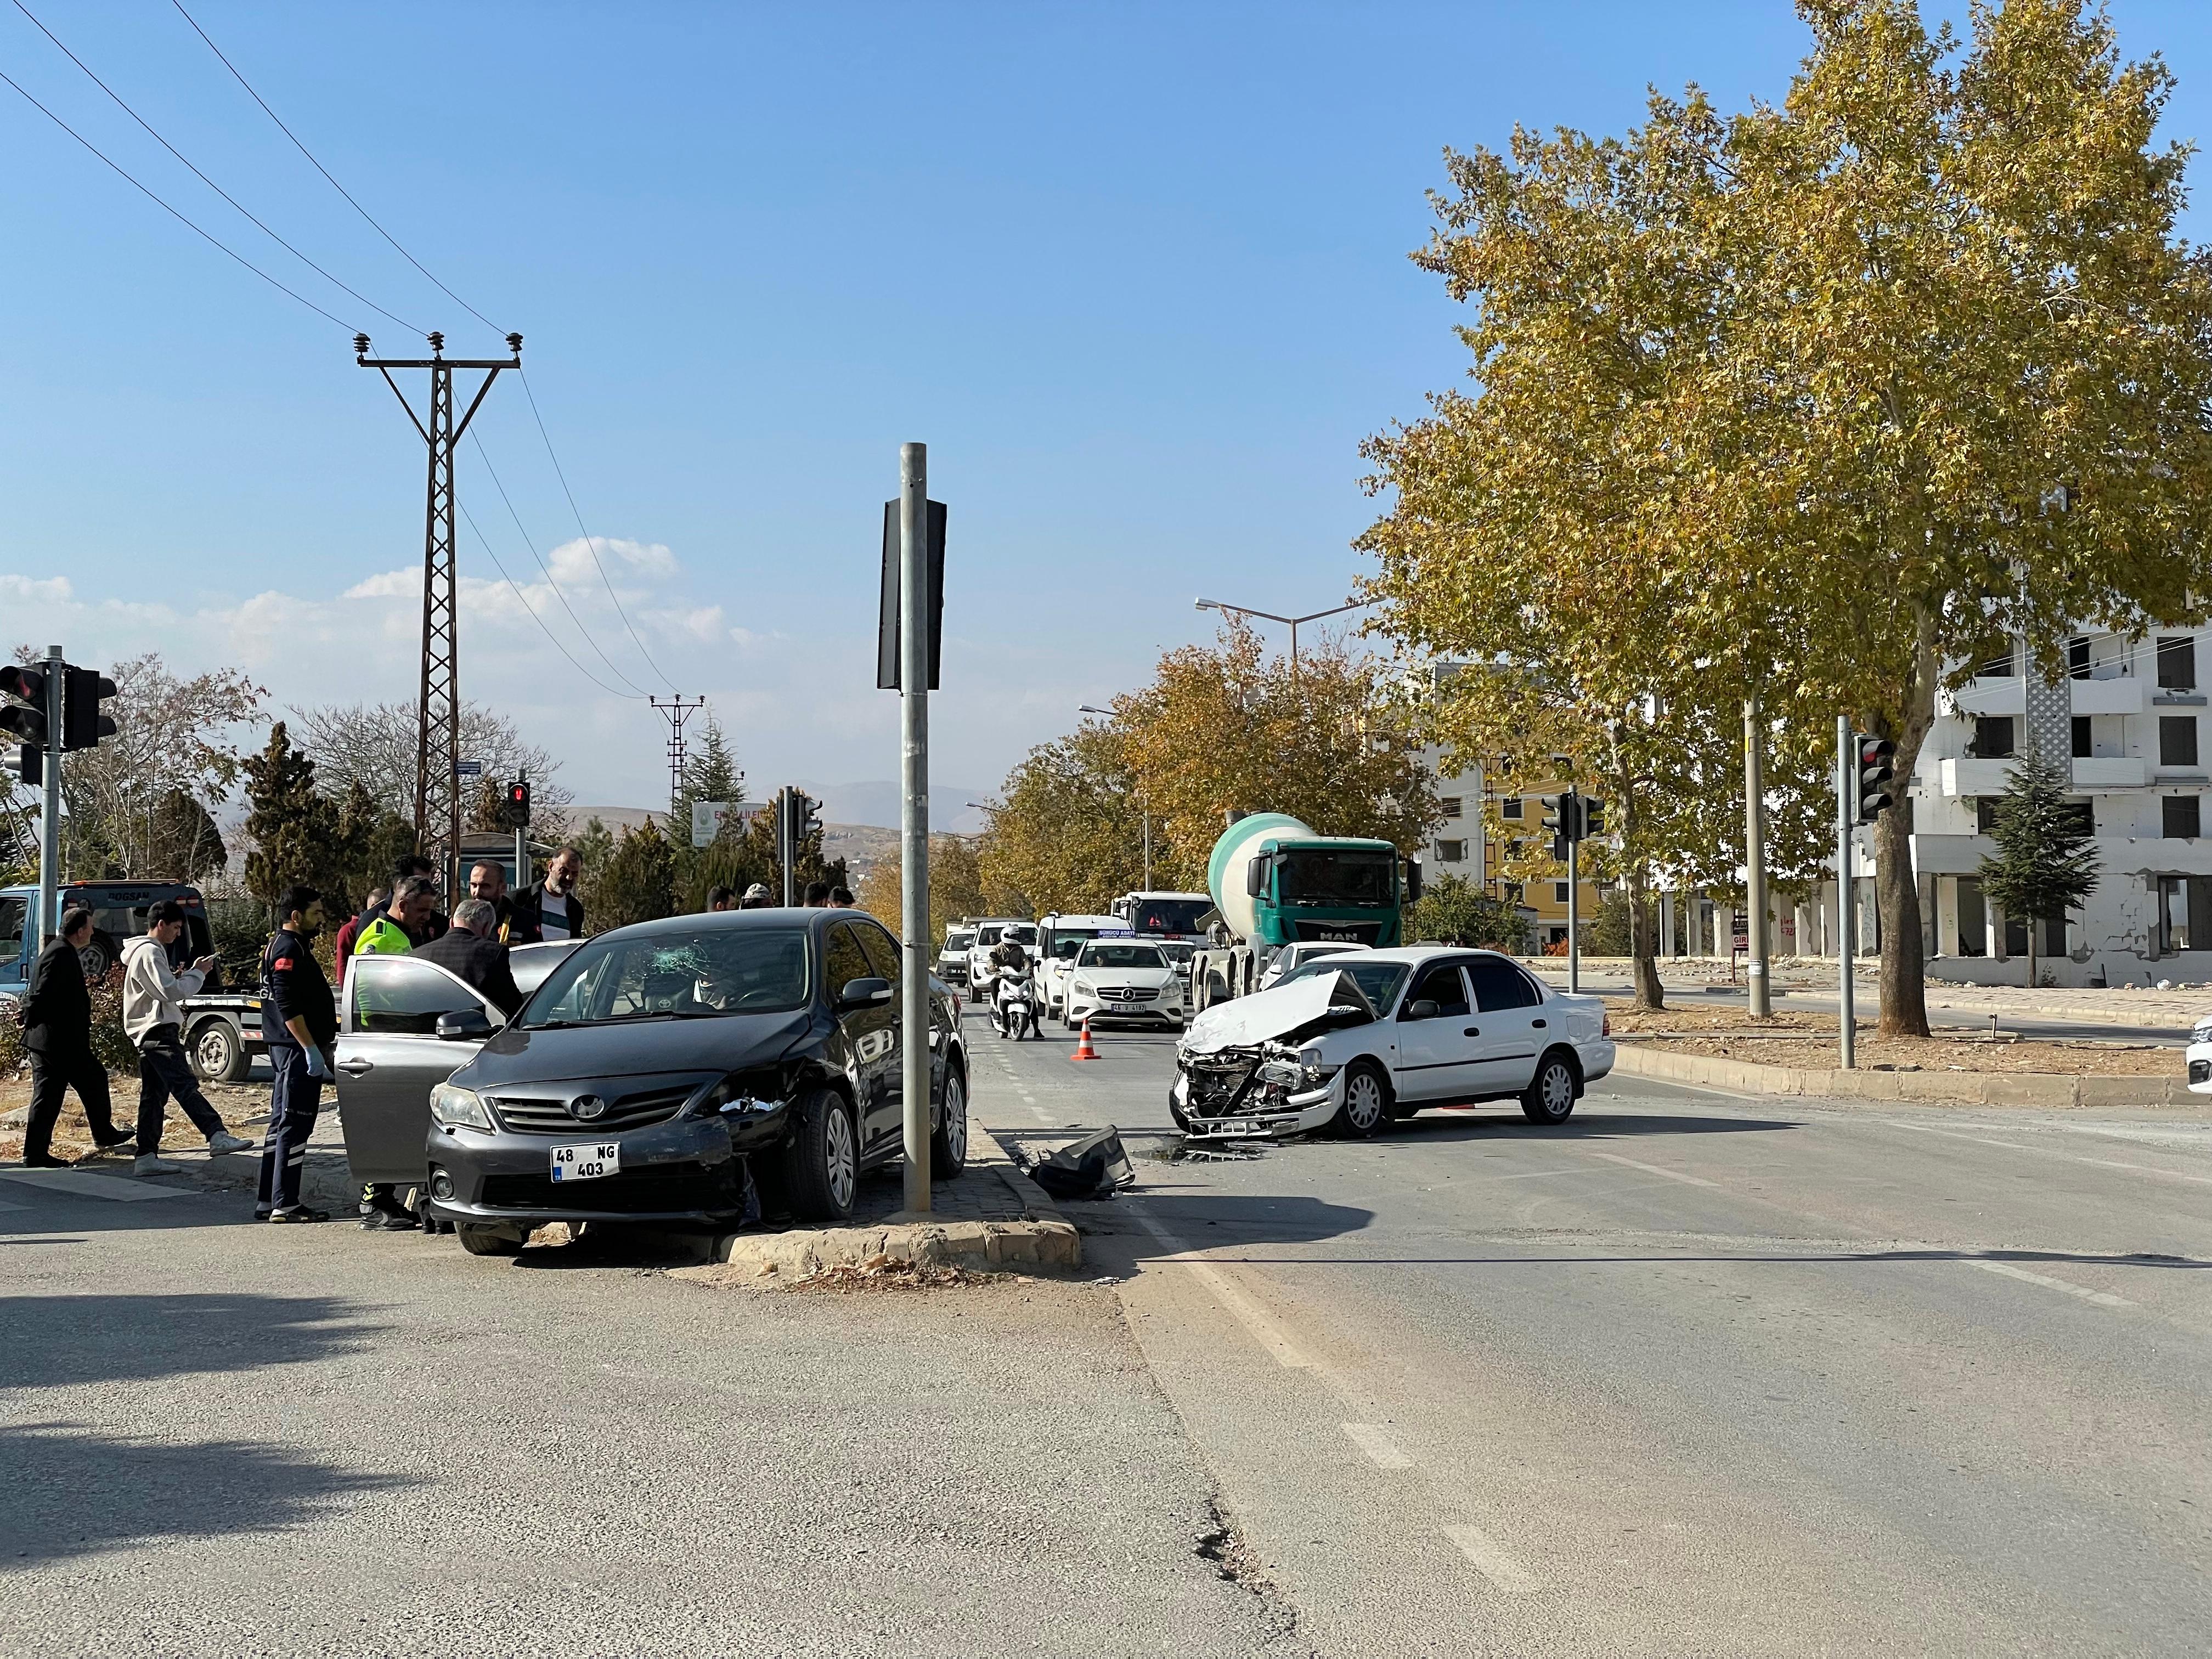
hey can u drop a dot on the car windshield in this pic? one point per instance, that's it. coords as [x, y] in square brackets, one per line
[1167, 915]
[1378, 982]
[958, 940]
[1064, 945]
[1177, 953]
[1095, 955]
[1344, 878]
[1021, 932]
[657, 976]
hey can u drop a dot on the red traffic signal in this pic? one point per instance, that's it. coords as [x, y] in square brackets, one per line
[518, 804]
[29, 685]
[1876, 774]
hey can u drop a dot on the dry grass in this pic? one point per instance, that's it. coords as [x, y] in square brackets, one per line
[238, 1103]
[1808, 1041]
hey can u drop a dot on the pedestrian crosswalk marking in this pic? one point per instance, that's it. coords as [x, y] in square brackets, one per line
[94, 1186]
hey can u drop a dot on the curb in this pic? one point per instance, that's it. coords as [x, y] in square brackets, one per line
[1951, 1088]
[1043, 1239]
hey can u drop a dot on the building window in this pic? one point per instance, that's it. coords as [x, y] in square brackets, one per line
[2001, 667]
[1513, 892]
[1511, 807]
[2177, 664]
[1452, 852]
[2084, 742]
[1992, 736]
[1558, 892]
[2184, 816]
[1452, 806]
[2177, 739]
[2077, 657]
[2184, 921]
[1985, 813]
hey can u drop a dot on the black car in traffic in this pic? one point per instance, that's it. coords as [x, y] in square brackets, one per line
[661, 1064]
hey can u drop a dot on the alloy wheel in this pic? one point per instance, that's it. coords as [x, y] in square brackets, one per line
[1363, 1102]
[956, 1119]
[838, 1156]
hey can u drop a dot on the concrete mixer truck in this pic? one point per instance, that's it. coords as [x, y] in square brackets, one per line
[1275, 882]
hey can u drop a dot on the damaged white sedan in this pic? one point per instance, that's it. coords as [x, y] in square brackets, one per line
[1352, 1044]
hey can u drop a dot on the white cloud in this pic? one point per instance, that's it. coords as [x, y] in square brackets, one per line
[388, 584]
[574, 567]
[27, 590]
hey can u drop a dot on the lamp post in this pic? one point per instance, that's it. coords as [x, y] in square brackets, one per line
[1085, 709]
[1293, 623]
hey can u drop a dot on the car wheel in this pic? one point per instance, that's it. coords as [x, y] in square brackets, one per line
[1551, 1097]
[1366, 1106]
[948, 1143]
[219, 1053]
[486, 1241]
[822, 1159]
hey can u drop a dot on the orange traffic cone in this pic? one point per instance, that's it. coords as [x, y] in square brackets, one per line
[1083, 1049]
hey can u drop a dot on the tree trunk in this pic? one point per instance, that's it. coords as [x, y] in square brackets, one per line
[2031, 952]
[1644, 942]
[1896, 889]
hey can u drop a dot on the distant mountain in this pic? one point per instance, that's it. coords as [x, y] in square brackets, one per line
[877, 804]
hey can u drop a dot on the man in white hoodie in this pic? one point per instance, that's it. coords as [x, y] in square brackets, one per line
[153, 1018]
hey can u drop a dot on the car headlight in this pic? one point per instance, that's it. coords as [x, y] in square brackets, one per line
[1085, 988]
[453, 1107]
[1315, 1068]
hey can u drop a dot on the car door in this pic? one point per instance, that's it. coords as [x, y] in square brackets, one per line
[390, 1057]
[884, 962]
[1510, 1014]
[1436, 1052]
[871, 1036]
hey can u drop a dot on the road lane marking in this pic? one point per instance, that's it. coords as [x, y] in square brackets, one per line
[2052, 1151]
[94, 1186]
[1488, 1559]
[1653, 1169]
[1248, 1313]
[2102, 1298]
[1371, 1439]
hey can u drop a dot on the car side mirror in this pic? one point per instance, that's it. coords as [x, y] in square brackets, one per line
[864, 994]
[464, 1025]
[1424, 1009]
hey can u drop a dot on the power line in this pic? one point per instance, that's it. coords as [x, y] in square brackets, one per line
[486, 543]
[212, 242]
[529, 542]
[589, 547]
[326, 173]
[201, 176]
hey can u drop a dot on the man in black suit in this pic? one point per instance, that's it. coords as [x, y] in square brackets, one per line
[471, 952]
[56, 1016]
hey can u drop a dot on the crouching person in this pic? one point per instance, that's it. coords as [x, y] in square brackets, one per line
[154, 1019]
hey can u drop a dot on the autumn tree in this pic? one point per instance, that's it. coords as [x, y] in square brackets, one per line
[1068, 833]
[956, 887]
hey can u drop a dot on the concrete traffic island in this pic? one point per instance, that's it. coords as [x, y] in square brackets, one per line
[1962, 1088]
[1002, 1222]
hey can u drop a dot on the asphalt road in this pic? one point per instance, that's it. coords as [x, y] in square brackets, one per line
[1691, 1375]
[218, 1438]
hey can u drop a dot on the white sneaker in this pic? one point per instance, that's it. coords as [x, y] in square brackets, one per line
[223, 1141]
[148, 1164]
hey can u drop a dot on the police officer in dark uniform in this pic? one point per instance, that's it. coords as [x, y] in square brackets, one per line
[299, 1023]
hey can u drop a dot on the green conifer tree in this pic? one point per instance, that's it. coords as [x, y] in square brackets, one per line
[2046, 862]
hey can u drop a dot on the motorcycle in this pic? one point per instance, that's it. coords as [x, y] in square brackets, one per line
[1013, 1005]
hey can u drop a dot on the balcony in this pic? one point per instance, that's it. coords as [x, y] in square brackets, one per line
[1968, 776]
[2006, 696]
[2110, 771]
[2119, 695]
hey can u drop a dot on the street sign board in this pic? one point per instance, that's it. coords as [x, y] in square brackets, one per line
[468, 769]
[707, 819]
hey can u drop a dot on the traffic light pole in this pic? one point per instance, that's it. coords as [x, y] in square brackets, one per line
[49, 816]
[914, 602]
[1754, 861]
[1846, 768]
[1575, 912]
[784, 849]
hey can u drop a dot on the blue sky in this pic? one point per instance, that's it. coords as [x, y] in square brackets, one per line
[1137, 273]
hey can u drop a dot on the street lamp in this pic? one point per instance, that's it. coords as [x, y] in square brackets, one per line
[1086, 708]
[1293, 622]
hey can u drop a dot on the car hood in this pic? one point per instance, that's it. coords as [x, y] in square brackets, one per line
[726, 1043]
[1285, 1014]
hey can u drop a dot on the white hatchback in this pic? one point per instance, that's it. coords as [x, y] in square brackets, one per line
[1124, 979]
[1351, 1043]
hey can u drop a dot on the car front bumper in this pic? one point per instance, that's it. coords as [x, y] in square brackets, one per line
[686, 1170]
[1082, 1008]
[1271, 1117]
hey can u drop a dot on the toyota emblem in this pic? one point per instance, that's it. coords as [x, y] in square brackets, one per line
[588, 1107]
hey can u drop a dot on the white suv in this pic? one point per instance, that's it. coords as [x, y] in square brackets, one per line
[1124, 979]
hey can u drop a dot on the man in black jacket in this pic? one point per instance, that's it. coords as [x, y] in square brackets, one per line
[549, 910]
[471, 953]
[56, 1016]
[300, 1025]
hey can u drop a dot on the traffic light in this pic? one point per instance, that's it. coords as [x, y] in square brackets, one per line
[27, 762]
[804, 816]
[1593, 816]
[1876, 773]
[518, 804]
[83, 722]
[28, 686]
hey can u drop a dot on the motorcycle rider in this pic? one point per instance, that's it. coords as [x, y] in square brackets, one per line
[1008, 961]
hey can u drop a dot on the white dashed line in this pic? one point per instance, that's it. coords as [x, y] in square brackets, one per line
[1653, 1169]
[2051, 1151]
[2102, 1298]
[1248, 1313]
[1377, 1446]
[1492, 1562]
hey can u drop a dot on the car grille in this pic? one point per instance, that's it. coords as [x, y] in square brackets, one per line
[549, 1115]
[678, 1187]
[1217, 1084]
[1338, 933]
[1127, 993]
[2200, 1070]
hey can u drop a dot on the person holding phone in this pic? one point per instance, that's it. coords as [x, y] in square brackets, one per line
[154, 1019]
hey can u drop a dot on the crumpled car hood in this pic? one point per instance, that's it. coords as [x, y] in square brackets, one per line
[1282, 1015]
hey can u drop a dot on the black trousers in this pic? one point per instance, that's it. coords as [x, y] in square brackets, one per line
[294, 1101]
[163, 1072]
[53, 1075]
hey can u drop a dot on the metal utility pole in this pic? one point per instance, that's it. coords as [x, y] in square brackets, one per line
[677, 711]
[50, 814]
[1574, 805]
[914, 811]
[1754, 861]
[786, 847]
[438, 718]
[1846, 766]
